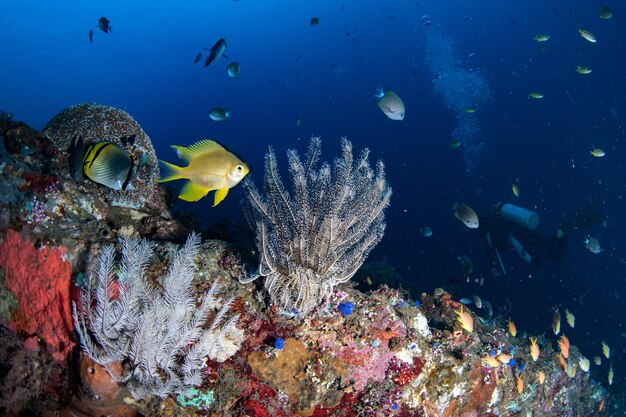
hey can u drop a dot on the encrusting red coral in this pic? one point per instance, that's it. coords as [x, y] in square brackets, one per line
[40, 279]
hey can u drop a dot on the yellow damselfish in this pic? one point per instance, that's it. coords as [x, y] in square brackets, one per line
[211, 167]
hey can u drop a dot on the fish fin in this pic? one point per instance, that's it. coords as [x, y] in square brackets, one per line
[202, 147]
[220, 195]
[183, 152]
[192, 192]
[172, 173]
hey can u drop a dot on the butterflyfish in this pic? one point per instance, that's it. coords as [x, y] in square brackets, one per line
[108, 164]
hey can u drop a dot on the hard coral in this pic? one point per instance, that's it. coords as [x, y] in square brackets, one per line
[97, 123]
[40, 279]
[287, 372]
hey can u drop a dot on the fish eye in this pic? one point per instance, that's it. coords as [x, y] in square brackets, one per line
[239, 168]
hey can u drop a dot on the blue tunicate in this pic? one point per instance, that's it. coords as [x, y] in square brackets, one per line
[416, 303]
[401, 304]
[279, 343]
[512, 362]
[520, 368]
[492, 353]
[346, 308]
[394, 407]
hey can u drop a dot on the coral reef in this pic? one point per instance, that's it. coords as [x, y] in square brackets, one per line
[317, 236]
[40, 280]
[379, 353]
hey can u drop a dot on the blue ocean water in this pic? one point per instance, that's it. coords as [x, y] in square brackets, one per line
[478, 54]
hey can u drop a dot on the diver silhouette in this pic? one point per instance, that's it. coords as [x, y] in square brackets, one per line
[510, 228]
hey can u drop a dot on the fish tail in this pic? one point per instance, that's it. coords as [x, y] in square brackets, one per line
[171, 172]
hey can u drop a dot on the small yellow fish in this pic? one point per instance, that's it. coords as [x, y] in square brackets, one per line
[535, 94]
[583, 70]
[470, 109]
[597, 360]
[534, 349]
[556, 320]
[570, 369]
[512, 328]
[466, 215]
[564, 346]
[541, 377]
[587, 35]
[211, 167]
[465, 318]
[515, 189]
[598, 153]
[584, 364]
[605, 12]
[504, 358]
[571, 320]
[369, 281]
[541, 37]
[455, 143]
[519, 384]
[491, 361]
[610, 376]
[606, 350]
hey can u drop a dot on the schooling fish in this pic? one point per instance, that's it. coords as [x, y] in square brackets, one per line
[108, 164]
[219, 114]
[233, 70]
[216, 52]
[211, 167]
[91, 36]
[466, 215]
[196, 59]
[105, 24]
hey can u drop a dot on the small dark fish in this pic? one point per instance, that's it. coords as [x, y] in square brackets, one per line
[129, 140]
[314, 21]
[104, 24]
[216, 52]
[196, 59]
[233, 70]
[91, 36]
[299, 57]
[76, 153]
